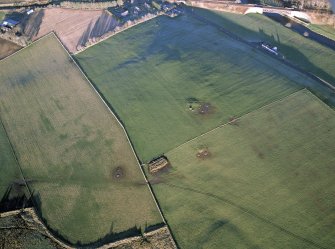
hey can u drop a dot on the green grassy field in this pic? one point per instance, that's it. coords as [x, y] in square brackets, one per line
[2, 15]
[306, 53]
[268, 183]
[75, 153]
[325, 30]
[152, 72]
[8, 166]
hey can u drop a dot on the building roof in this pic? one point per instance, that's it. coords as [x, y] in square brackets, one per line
[10, 22]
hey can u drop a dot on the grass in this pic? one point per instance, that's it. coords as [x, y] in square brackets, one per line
[8, 165]
[152, 72]
[269, 182]
[69, 145]
[2, 15]
[306, 53]
[325, 30]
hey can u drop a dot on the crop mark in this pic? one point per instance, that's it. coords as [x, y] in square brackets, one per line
[247, 211]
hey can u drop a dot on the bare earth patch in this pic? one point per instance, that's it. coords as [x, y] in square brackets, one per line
[233, 121]
[205, 109]
[204, 153]
[7, 48]
[74, 28]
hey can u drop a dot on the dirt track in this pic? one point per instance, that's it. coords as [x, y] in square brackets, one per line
[74, 27]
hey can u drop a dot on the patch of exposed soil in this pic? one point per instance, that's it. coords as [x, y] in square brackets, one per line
[205, 109]
[204, 154]
[118, 173]
[233, 121]
[7, 48]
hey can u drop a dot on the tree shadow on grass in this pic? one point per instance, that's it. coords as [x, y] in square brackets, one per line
[295, 57]
[108, 238]
[14, 198]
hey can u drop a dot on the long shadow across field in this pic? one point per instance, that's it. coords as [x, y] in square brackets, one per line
[15, 198]
[228, 27]
[247, 211]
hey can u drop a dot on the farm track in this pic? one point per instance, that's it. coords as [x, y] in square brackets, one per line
[238, 38]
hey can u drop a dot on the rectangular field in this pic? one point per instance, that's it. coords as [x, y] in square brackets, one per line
[85, 176]
[308, 54]
[74, 27]
[265, 182]
[170, 80]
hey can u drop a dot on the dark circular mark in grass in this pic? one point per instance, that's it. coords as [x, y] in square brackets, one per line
[118, 173]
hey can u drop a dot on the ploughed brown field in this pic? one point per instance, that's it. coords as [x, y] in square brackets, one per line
[73, 27]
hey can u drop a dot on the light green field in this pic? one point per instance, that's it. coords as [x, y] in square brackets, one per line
[150, 73]
[269, 182]
[70, 145]
[302, 51]
[325, 30]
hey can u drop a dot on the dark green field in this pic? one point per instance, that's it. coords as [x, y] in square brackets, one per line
[308, 54]
[152, 73]
[268, 181]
